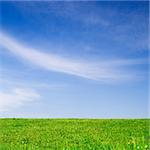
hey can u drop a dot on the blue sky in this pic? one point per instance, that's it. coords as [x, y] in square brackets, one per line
[74, 59]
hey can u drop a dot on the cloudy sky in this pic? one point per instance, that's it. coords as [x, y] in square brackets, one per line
[74, 59]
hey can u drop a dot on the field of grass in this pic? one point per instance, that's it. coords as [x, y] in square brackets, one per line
[74, 134]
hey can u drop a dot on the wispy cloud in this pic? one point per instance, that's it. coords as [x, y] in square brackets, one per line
[108, 70]
[16, 97]
[15, 93]
[7, 82]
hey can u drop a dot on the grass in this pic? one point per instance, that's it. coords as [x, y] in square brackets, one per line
[74, 134]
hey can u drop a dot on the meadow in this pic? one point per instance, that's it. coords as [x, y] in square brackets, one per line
[74, 134]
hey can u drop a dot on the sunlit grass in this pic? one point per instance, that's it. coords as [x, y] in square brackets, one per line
[74, 134]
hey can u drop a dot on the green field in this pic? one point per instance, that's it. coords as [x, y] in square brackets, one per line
[74, 134]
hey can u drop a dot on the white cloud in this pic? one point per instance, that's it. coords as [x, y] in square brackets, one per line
[108, 70]
[16, 97]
